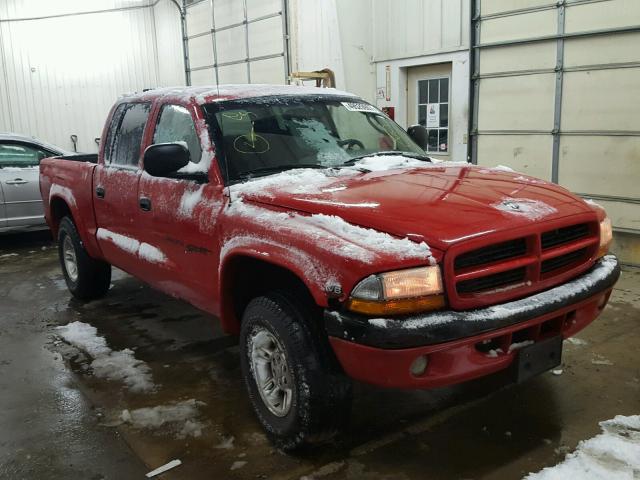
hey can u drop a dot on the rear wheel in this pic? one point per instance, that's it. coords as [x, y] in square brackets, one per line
[297, 392]
[86, 277]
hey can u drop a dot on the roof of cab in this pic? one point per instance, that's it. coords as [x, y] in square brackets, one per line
[210, 94]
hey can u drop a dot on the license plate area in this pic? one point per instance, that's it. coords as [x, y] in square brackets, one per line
[538, 358]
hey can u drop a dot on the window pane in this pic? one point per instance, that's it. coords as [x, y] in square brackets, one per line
[433, 91]
[129, 137]
[443, 142]
[422, 91]
[115, 123]
[433, 141]
[176, 125]
[422, 115]
[14, 155]
[444, 89]
[444, 115]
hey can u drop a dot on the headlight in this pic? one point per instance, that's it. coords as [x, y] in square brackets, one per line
[606, 235]
[402, 291]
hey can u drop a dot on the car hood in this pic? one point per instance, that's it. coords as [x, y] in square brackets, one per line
[438, 204]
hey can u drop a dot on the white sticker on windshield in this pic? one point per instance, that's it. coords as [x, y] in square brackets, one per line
[360, 107]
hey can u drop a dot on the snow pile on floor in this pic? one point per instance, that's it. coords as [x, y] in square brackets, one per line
[143, 250]
[113, 365]
[180, 418]
[525, 207]
[614, 454]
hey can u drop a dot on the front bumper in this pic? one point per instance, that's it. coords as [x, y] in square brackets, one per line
[457, 344]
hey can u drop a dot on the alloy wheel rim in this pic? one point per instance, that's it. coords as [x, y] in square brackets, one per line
[70, 260]
[271, 371]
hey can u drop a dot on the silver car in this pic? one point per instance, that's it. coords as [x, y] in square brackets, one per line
[20, 202]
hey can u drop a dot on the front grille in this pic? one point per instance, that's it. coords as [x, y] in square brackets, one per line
[518, 267]
[492, 253]
[492, 282]
[562, 261]
[564, 235]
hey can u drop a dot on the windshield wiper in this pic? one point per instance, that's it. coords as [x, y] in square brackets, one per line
[417, 156]
[259, 172]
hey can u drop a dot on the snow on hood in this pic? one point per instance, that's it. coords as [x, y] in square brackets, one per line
[334, 233]
[439, 203]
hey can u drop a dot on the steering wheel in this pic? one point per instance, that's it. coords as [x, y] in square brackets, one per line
[350, 143]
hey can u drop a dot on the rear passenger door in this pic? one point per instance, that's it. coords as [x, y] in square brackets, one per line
[116, 186]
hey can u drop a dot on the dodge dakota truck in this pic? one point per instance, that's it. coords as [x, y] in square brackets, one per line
[321, 235]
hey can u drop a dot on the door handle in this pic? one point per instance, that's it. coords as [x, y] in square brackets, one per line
[145, 204]
[100, 192]
[17, 181]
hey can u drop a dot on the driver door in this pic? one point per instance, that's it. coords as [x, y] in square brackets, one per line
[177, 216]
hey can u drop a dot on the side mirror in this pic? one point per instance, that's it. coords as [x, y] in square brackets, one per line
[162, 159]
[419, 135]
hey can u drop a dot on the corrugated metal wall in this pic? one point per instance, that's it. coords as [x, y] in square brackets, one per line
[410, 28]
[237, 41]
[62, 71]
[557, 95]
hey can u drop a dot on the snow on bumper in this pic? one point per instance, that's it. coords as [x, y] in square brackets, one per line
[381, 351]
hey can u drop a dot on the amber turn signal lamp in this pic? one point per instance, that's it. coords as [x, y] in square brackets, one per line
[395, 307]
[606, 235]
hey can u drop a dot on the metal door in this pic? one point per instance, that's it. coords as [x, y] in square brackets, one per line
[19, 177]
[237, 41]
[556, 94]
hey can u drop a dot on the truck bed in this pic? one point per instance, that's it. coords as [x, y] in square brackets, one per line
[66, 186]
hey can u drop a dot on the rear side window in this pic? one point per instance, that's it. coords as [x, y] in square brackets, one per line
[176, 125]
[17, 155]
[113, 126]
[128, 138]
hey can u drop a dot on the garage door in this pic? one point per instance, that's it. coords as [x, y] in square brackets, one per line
[556, 94]
[237, 41]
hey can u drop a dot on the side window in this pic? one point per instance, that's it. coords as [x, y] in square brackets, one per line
[17, 155]
[128, 139]
[176, 125]
[115, 123]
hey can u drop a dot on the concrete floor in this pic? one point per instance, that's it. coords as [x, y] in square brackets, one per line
[59, 421]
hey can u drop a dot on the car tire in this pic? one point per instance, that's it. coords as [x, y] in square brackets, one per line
[86, 277]
[302, 362]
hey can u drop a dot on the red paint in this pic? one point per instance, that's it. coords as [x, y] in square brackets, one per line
[458, 361]
[449, 207]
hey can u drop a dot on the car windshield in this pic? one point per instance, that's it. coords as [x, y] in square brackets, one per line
[267, 135]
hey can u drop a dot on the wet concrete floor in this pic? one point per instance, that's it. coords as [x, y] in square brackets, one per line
[58, 420]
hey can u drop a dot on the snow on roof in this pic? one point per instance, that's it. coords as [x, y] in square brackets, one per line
[17, 137]
[213, 93]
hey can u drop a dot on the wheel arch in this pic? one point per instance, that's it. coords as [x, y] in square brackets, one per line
[246, 275]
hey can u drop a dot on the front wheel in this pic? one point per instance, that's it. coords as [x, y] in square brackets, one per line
[86, 277]
[296, 391]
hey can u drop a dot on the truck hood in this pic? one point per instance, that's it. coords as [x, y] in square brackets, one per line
[438, 204]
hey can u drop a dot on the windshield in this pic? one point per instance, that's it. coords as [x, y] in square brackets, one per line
[267, 135]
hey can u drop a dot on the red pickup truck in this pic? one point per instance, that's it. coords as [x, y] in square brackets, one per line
[317, 230]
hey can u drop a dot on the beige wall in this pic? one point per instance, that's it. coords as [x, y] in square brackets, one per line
[599, 139]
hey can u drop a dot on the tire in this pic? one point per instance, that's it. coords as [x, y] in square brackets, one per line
[90, 279]
[320, 394]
